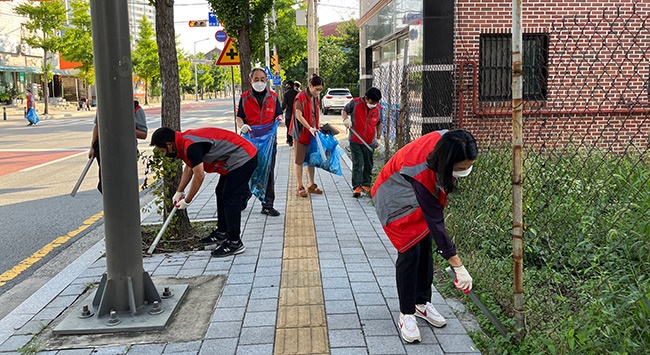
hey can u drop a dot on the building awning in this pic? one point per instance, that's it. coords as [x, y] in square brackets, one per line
[16, 69]
[61, 72]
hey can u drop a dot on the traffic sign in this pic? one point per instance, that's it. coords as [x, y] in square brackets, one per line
[268, 73]
[277, 80]
[212, 19]
[229, 55]
[221, 36]
[200, 71]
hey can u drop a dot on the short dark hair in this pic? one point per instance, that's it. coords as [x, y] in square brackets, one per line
[373, 94]
[162, 136]
[136, 103]
[297, 83]
[316, 80]
[453, 147]
[289, 82]
[254, 70]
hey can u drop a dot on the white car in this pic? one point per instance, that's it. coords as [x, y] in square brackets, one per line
[335, 99]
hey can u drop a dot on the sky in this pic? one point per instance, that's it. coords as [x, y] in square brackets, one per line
[185, 10]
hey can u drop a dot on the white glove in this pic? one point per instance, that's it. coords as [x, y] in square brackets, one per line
[181, 205]
[177, 197]
[347, 123]
[463, 280]
[313, 131]
[245, 128]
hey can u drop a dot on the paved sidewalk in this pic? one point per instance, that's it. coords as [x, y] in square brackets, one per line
[319, 279]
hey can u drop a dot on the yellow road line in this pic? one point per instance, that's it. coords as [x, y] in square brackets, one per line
[37, 256]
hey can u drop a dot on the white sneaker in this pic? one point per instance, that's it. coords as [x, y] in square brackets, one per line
[429, 313]
[408, 328]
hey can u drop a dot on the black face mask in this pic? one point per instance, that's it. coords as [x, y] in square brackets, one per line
[170, 155]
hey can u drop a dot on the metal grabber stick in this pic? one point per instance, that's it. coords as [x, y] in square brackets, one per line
[81, 178]
[162, 230]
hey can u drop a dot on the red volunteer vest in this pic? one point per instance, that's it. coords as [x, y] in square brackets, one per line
[229, 150]
[256, 115]
[364, 121]
[297, 130]
[394, 197]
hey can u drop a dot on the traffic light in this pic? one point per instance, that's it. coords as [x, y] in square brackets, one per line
[198, 23]
[275, 64]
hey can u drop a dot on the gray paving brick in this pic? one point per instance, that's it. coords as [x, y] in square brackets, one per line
[385, 344]
[146, 349]
[361, 277]
[257, 335]
[230, 329]
[333, 272]
[346, 338]
[258, 349]
[375, 327]
[264, 292]
[365, 287]
[268, 270]
[261, 305]
[343, 321]
[369, 299]
[336, 282]
[458, 343]
[259, 319]
[359, 267]
[266, 281]
[235, 278]
[454, 326]
[349, 351]
[189, 346]
[236, 290]
[111, 350]
[228, 314]
[14, 342]
[85, 351]
[242, 268]
[374, 312]
[424, 349]
[226, 346]
[340, 307]
[331, 294]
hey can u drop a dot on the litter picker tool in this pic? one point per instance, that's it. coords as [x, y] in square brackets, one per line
[81, 178]
[361, 139]
[481, 306]
[162, 230]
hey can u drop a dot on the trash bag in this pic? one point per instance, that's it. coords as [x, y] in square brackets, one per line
[323, 153]
[263, 138]
[31, 116]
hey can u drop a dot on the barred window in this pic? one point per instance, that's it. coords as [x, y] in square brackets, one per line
[495, 66]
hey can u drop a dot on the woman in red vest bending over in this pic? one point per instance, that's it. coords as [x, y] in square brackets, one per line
[410, 194]
[303, 128]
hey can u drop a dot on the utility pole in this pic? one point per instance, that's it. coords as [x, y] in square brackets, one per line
[275, 51]
[267, 55]
[312, 38]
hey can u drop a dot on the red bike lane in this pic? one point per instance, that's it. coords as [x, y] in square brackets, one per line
[12, 161]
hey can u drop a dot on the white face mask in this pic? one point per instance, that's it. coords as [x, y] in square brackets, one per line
[259, 86]
[462, 173]
[371, 106]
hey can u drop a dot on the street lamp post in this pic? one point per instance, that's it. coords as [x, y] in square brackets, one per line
[196, 77]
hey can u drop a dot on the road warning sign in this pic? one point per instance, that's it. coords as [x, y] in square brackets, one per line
[229, 55]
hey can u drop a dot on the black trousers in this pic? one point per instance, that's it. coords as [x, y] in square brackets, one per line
[99, 164]
[232, 189]
[269, 199]
[287, 123]
[414, 273]
[362, 162]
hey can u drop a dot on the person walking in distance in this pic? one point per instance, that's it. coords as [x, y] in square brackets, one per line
[303, 128]
[213, 150]
[29, 105]
[258, 109]
[287, 107]
[361, 117]
[409, 195]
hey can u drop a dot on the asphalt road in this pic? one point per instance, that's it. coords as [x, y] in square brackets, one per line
[43, 228]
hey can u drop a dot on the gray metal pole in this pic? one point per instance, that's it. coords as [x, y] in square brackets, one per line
[124, 286]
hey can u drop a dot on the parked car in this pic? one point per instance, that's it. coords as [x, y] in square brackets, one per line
[335, 99]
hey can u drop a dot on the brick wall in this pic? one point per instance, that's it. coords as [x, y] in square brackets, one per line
[598, 69]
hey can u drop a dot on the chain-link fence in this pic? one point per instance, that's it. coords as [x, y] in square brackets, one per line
[586, 208]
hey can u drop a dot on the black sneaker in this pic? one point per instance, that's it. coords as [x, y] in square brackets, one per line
[270, 211]
[215, 237]
[229, 248]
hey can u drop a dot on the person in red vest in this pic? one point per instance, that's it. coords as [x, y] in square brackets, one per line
[409, 195]
[140, 133]
[364, 120]
[303, 128]
[30, 104]
[213, 150]
[258, 109]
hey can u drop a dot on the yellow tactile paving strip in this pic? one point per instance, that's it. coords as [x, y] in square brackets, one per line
[301, 326]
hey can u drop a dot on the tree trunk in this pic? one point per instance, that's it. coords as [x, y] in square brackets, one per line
[171, 104]
[146, 90]
[46, 89]
[244, 58]
[89, 95]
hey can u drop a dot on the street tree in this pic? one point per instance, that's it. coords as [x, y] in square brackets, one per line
[171, 101]
[290, 41]
[244, 22]
[77, 42]
[185, 72]
[145, 56]
[45, 21]
[339, 58]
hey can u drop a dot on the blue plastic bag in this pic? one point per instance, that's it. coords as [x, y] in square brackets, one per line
[323, 153]
[263, 138]
[31, 116]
